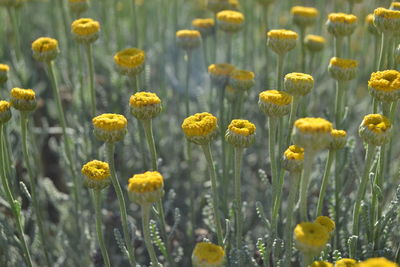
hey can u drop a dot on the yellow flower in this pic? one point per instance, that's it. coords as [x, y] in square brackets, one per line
[45, 49]
[97, 174]
[387, 20]
[281, 41]
[219, 73]
[395, 6]
[5, 112]
[310, 238]
[110, 127]
[23, 99]
[208, 255]
[230, 21]
[188, 39]
[343, 69]
[326, 222]
[385, 85]
[145, 105]
[130, 61]
[369, 19]
[240, 133]
[293, 158]
[200, 128]
[146, 188]
[204, 26]
[375, 129]
[377, 262]
[338, 139]
[304, 16]
[341, 24]
[314, 43]
[85, 30]
[346, 263]
[298, 84]
[321, 264]
[4, 69]
[274, 103]
[312, 133]
[242, 79]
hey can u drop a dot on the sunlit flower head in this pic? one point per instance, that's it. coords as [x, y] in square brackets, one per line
[5, 111]
[130, 61]
[110, 127]
[200, 128]
[293, 159]
[274, 103]
[312, 133]
[304, 16]
[343, 69]
[314, 43]
[230, 21]
[45, 49]
[145, 105]
[208, 255]
[310, 237]
[146, 188]
[385, 85]
[240, 133]
[341, 24]
[281, 41]
[188, 39]
[375, 129]
[97, 174]
[298, 84]
[23, 99]
[85, 30]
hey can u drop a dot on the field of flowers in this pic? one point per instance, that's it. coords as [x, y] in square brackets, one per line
[202, 133]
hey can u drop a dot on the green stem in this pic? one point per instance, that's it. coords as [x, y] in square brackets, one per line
[35, 201]
[12, 14]
[272, 123]
[122, 207]
[292, 117]
[339, 103]
[146, 234]
[338, 46]
[134, 83]
[293, 191]
[229, 50]
[305, 180]
[382, 54]
[148, 131]
[89, 57]
[11, 201]
[207, 153]
[238, 198]
[187, 84]
[303, 49]
[362, 187]
[279, 71]
[97, 209]
[325, 179]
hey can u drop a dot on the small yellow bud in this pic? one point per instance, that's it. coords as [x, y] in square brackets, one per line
[240, 133]
[274, 103]
[342, 69]
[5, 111]
[200, 128]
[23, 99]
[130, 61]
[110, 127]
[188, 39]
[208, 255]
[85, 30]
[375, 129]
[230, 21]
[341, 24]
[310, 237]
[97, 174]
[45, 49]
[281, 41]
[146, 188]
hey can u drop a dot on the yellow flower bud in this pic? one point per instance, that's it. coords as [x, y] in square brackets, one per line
[23, 99]
[200, 128]
[385, 85]
[110, 127]
[298, 84]
[240, 133]
[342, 69]
[230, 21]
[4, 69]
[242, 79]
[338, 139]
[188, 39]
[208, 255]
[5, 111]
[130, 61]
[97, 174]
[205, 26]
[45, 49]
[293, 159]
[312, 133]
[274, 103]
[220, 73]
[310, 238]
[304, 16]
[146, 188]
[341, 24]
[314, 43]
[377, 262]
[85, 30]
[281, 41]
[326, 222]
[369, 20]
[387, 20]
[145, 105]
[375, 129]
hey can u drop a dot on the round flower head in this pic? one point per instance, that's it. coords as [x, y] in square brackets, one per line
[338, 139]
[208, 255]
[217, 5]
[242, 79]
[146, 188]
[230, 21]
[377, 262]
[321, 264]
[220, 73]
[274, 103]
[385, 85]
[85, 30]
[310, 237]
[293, 159]
[45, 49]
[205, 26]
[240, 133]
[4, 69]
[375, 129]
[188, 39]
[346, 263]
[342, 69]
[312, 133]
[5, 111]
[395, 6]
[281, 41]
[200, 128]
[145, 105]
[341, 24]
[97, 174]
[130, 61]
[23, 99]
[110, 127]
[369, 20]
[314, 43]
[298, 84]
[78, 6]
[326, 222]
[304, 16]
[387, 20]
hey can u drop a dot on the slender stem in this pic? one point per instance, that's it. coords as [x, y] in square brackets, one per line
[339, 103]
[292, 117]
[188, 70]
[229, 50]
[36, 206]
[134, 83]
[272, 123]
[338, 46]
[382, 54]
[11, 200]
[148, 131]
[207, 153]
[303, 49]
[122, 207]
[99, 230]
[279, 71]
[12, 14]
[67, 144]
[305, 180]
[89, 57]
[362, 187]
[238, 198]
[146, 234]
[135, 23]
[325, 179]
[293, 191]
